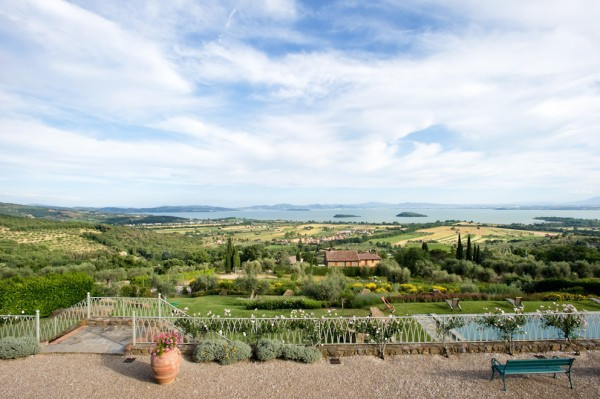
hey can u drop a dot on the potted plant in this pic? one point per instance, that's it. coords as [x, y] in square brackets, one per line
[166, 357]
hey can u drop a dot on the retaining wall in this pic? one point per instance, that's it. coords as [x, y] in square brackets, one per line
[421, 349]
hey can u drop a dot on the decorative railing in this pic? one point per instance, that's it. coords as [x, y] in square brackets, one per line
[345, 330]
[46, 329]
[152, 316]
[125, 307]
[17, 326]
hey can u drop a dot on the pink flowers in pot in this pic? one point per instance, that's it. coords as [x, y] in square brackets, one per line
[165, 342]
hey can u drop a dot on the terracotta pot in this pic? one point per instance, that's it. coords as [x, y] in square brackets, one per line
[166, 366]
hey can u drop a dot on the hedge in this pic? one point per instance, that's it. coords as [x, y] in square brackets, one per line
[44, 293]
[13, 347]
[590, 285]
[283, 303]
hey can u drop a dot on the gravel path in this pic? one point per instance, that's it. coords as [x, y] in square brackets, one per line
[412, 376]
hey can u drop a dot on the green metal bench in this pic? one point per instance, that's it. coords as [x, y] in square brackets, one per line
[533, 366]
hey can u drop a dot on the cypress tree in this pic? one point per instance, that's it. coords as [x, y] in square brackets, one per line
[469, 254]
[229, 256]
[476, 255]
[236, 260]
[459, 249]
[424, 247]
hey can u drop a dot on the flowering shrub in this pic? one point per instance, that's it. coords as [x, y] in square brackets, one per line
[506, 325]
[564, 296]
[439, 288]
[565, 318]
[439, 297]
[409, 288]
[165, 342]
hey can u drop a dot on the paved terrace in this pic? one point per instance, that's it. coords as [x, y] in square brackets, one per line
[411, 376]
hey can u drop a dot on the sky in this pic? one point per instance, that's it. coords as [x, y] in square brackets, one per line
[232, 103]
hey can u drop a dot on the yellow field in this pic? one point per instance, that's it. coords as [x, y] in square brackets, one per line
[449, 234]
[65, 240]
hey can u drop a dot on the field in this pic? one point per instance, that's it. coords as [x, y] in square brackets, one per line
[279, 232]
[215, 233]
[217, 305]
[68, 240]
[448, 235]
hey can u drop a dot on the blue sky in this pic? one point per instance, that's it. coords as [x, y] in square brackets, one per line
[147, 103]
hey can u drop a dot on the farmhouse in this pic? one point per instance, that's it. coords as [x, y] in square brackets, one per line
[351, 258]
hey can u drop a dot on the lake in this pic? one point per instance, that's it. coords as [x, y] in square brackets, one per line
[389, 215]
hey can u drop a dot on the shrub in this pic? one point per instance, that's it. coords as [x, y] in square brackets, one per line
[234, 352]
[439, 297]
[591, 285]
[563, 296]
[207, 351]
[275, 304]
[305, 354]
[12, 347]
[365, 300]
[204, 283]
[267, 349]
[222, 351]
[46, 293]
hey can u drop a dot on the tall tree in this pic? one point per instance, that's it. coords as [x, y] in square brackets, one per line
[229, 256]
[236, 260]
[424, 247]
[476, 254]
[469, 253]
[459, 249]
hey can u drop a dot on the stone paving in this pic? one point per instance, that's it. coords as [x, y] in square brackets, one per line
[92, 339]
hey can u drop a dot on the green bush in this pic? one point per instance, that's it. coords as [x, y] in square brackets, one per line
[591, 285]
[234, 352]
[43, 293]
[365, 300]
[305, 354]
[222, 351]
[267, 349]
[283, 303]
[207, 351]
[12, 347]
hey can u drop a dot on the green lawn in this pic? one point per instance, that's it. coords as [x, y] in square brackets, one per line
[217, 305]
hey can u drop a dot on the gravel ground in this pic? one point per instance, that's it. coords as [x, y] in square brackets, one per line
[412, 376]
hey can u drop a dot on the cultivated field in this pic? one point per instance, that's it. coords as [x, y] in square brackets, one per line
[449, 234]
[68, 240]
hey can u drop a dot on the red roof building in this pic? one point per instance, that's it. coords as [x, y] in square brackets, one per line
[351, 258]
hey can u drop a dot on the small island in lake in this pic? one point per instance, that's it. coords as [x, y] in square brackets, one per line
[410, 215]
[341, 215]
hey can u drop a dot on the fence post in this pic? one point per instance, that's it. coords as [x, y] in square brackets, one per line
[89, 306]
[159, 312]
[133, 327]
[37, 325]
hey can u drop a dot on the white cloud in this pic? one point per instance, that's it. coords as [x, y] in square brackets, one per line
[518, 92]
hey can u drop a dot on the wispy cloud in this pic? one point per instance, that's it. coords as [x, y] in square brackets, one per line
[296, 95]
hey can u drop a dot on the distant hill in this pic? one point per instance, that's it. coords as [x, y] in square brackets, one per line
[151, 219]
[410, 215]
[164, 209]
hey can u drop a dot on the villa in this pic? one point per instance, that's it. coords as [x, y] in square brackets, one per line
[351, 258]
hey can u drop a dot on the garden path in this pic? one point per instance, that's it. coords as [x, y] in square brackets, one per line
[92, 339]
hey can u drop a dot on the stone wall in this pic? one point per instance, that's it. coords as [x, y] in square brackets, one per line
[424, 349]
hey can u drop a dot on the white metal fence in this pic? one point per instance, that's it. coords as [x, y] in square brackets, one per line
[152, 316]
[350, 330]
